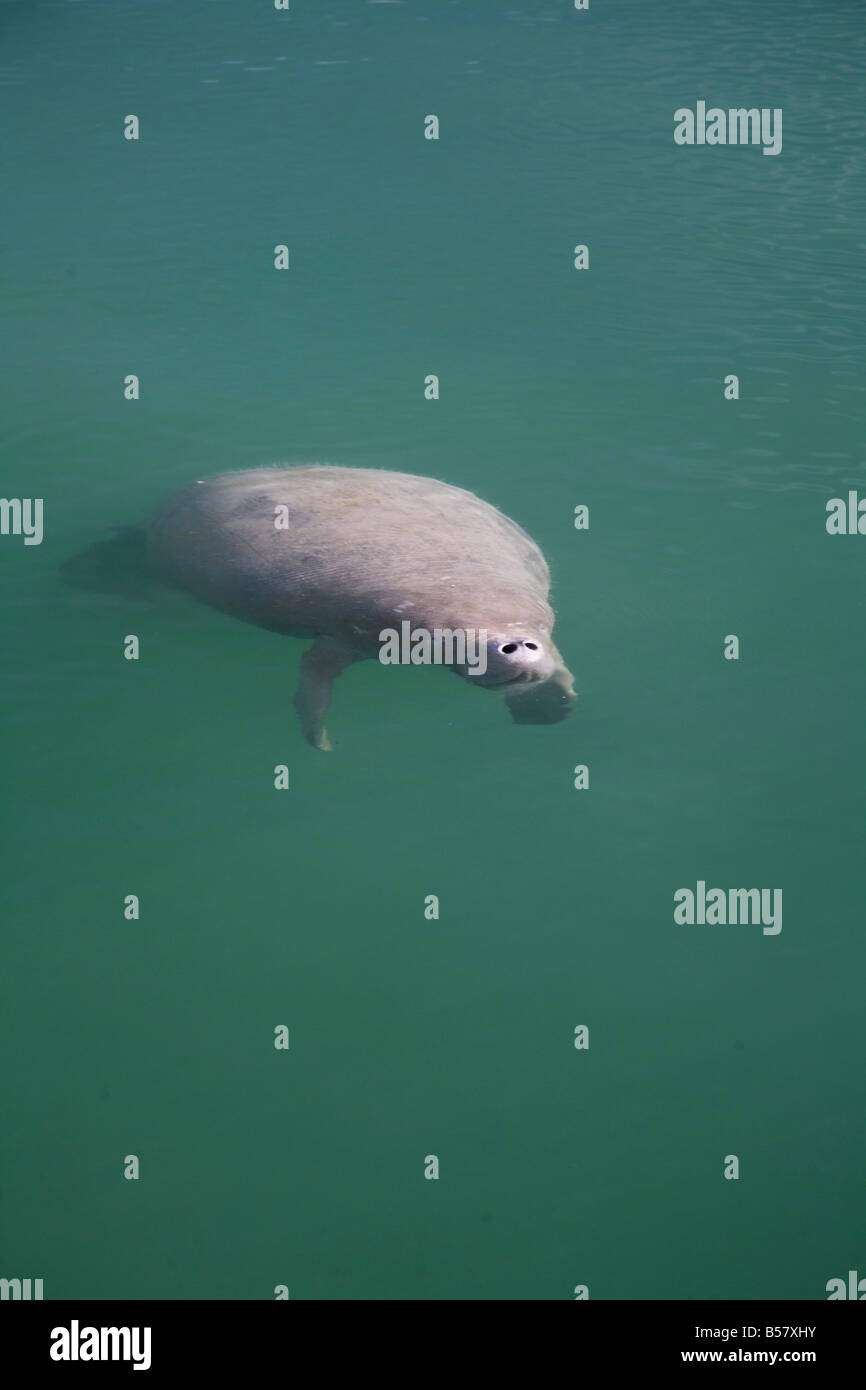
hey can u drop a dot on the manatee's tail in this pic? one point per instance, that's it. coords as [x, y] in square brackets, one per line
[116, 566]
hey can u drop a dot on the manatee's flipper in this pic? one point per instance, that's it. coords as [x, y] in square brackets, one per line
[320, 667]
[546, 702]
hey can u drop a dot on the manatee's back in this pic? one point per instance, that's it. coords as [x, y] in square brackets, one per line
[362, 548]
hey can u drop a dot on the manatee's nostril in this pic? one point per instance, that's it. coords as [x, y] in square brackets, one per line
[531, 646]
[509, 648]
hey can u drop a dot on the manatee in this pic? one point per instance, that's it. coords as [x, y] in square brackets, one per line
[343, 555]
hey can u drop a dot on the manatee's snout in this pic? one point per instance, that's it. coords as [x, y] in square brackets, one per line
[544, 703]
[546, 700]
[515, 661]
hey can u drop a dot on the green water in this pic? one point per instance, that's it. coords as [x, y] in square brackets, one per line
[410, 1037]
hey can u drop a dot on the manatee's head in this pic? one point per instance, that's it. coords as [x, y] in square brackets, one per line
[526, 668]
